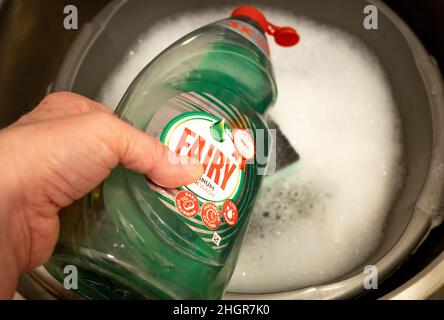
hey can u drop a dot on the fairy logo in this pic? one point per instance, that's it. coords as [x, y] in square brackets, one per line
[207, 138]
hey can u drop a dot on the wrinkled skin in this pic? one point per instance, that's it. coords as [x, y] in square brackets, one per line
[53, 156]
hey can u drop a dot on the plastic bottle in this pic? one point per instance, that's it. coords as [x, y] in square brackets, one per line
[205, 97]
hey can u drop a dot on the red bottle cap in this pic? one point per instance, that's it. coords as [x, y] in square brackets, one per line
[284, 36]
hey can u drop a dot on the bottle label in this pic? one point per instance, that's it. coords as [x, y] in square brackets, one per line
[209, 140]
[248, 31]
[194, 126]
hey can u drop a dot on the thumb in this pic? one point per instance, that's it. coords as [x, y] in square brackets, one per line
[143, 153]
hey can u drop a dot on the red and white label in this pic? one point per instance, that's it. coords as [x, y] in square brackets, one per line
[187, 203]
[211, 215]
[244, 143]
[230, 212]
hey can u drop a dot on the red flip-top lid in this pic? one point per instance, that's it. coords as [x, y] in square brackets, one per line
[284, 36]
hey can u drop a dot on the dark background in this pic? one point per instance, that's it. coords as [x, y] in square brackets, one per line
[32, 47]
[426, 18]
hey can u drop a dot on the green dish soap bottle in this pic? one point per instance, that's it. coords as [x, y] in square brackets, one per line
[205, 97]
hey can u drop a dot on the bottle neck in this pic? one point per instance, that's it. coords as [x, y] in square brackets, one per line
[250, 21]
[249, 29]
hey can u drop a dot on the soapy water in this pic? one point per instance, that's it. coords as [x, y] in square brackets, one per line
[325, 215]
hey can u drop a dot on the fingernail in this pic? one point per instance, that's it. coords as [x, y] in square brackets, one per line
[192, 168]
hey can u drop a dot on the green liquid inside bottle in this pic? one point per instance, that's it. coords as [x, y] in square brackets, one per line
[131, 239]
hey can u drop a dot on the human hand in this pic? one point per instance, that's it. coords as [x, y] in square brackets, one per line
[53, 156]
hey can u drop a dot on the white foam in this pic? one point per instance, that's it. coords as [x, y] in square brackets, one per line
[336, 108]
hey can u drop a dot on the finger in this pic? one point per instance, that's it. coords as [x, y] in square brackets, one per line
[62, 104]
[69, 103]
[145, 154]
